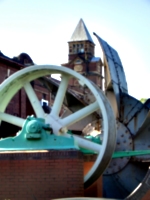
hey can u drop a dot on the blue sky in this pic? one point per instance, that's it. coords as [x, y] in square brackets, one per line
[42, 29]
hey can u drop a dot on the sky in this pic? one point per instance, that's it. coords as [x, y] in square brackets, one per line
[42, 28]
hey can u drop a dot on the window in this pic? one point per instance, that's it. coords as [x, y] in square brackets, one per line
[78, 61]
[74, 48]
[44, 102]
[78, 49]
[45, 106]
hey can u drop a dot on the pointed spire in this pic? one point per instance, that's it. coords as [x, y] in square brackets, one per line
[81, 33]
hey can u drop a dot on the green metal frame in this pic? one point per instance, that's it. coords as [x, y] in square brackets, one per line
[36, 135]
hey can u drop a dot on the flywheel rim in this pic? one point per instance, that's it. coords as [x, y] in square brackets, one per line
[21, 78]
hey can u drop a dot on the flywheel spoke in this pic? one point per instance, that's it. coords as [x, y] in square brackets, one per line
[34, 100]
[11, 119]
[60, 95]
[77, 116]
[87, 144]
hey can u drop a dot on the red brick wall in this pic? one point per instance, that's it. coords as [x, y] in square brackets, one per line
[3, 71]
[41, 175]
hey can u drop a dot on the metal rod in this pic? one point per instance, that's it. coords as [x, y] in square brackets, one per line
[75, 117]
[34, 100]
[60, 95]
[11, 119]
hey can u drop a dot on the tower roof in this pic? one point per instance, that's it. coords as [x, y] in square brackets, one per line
[81, 33]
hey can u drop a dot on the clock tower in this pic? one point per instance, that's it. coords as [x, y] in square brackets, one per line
[81, 56]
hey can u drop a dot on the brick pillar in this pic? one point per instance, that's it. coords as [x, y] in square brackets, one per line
[95, 190]
[41, 175]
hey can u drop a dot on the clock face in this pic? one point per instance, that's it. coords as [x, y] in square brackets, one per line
[78, 68]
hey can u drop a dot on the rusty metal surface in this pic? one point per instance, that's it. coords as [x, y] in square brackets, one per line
[128, 108]
[142, 140]
[124, 142]
[141, 190]
[135, 119]
[134, 114]
[139, 122]
[121, 184]
[114, 73]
